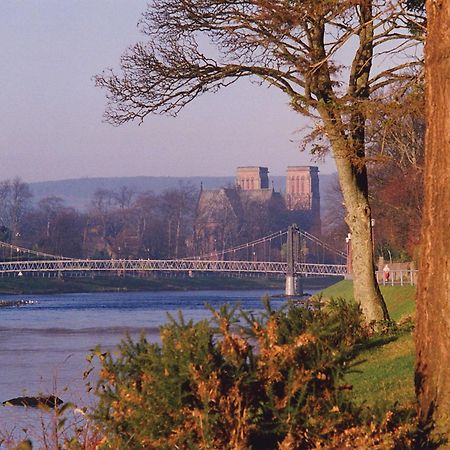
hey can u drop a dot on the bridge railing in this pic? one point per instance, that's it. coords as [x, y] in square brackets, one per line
[398, 277]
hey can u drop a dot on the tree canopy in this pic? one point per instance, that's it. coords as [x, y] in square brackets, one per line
[298, 46]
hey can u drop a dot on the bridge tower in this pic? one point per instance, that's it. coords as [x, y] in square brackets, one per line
[293, 281]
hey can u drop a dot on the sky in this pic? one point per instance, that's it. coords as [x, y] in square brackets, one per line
[51, 113]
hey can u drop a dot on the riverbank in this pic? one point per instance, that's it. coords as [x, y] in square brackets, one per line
[34, 285]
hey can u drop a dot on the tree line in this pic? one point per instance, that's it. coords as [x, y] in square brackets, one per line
[118, 223]
[126, 224]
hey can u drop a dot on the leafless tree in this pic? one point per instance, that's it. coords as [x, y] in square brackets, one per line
[15, 197]
[328, 57]
[178, 208]
[396, 137]
[102, 204]
[217, 223]
[396, 131]
[150, 230]
[124, 197]
[50, 207]
[5, 192]
[54, 228]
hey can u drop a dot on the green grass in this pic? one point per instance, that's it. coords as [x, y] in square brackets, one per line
[343, 289]
[399, 299]
[384, 374]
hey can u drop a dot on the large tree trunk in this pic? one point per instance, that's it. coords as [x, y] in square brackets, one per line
[353, 183]
[433, 294]
[349, 156]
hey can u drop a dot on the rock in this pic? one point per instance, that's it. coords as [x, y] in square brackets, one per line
[34, 402]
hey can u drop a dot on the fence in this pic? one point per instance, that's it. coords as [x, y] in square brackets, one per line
[399, 277]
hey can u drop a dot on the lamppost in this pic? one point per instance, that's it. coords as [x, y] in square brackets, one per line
[372, 224]
[348, 241]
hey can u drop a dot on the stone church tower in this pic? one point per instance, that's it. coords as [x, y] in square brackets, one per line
[252, 178]
[302, 193]
[302, 188]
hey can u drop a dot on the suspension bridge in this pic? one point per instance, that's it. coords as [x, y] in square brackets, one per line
[300, 254]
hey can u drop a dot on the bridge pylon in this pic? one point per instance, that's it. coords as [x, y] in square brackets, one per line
[293, 280]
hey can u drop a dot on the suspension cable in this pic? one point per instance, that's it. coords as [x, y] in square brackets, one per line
[316, 240]
[243, 246]
[32, 252]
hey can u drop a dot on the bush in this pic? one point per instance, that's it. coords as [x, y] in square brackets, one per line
[242, 381]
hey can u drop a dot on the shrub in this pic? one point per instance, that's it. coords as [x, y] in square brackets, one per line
[242, 381]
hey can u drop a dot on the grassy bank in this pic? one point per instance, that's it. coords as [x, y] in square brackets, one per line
[32, 285]
[399, 299]
[384, 375]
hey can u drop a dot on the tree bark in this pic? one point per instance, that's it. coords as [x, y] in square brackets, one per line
[358, 218]
[433, 294]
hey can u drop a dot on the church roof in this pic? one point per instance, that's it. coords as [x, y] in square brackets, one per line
[212, 204]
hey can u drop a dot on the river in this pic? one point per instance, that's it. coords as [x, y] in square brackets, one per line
[44, 343]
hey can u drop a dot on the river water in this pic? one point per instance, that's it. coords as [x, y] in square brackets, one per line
[44, 344]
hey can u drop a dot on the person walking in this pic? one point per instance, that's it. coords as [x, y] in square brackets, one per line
[386, 273]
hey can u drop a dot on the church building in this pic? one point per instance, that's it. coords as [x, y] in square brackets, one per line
[251, 209]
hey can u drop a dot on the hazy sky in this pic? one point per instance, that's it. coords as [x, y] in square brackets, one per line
[51, 113]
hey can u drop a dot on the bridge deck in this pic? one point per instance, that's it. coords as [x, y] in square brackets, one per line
[172, 265]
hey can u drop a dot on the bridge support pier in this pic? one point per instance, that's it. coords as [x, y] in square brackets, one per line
[291, 285]
[293, 282]
[294, 286]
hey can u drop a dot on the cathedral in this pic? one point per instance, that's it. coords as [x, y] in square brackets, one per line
[251, 209]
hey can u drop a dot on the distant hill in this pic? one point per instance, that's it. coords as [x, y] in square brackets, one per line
[78, 192]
